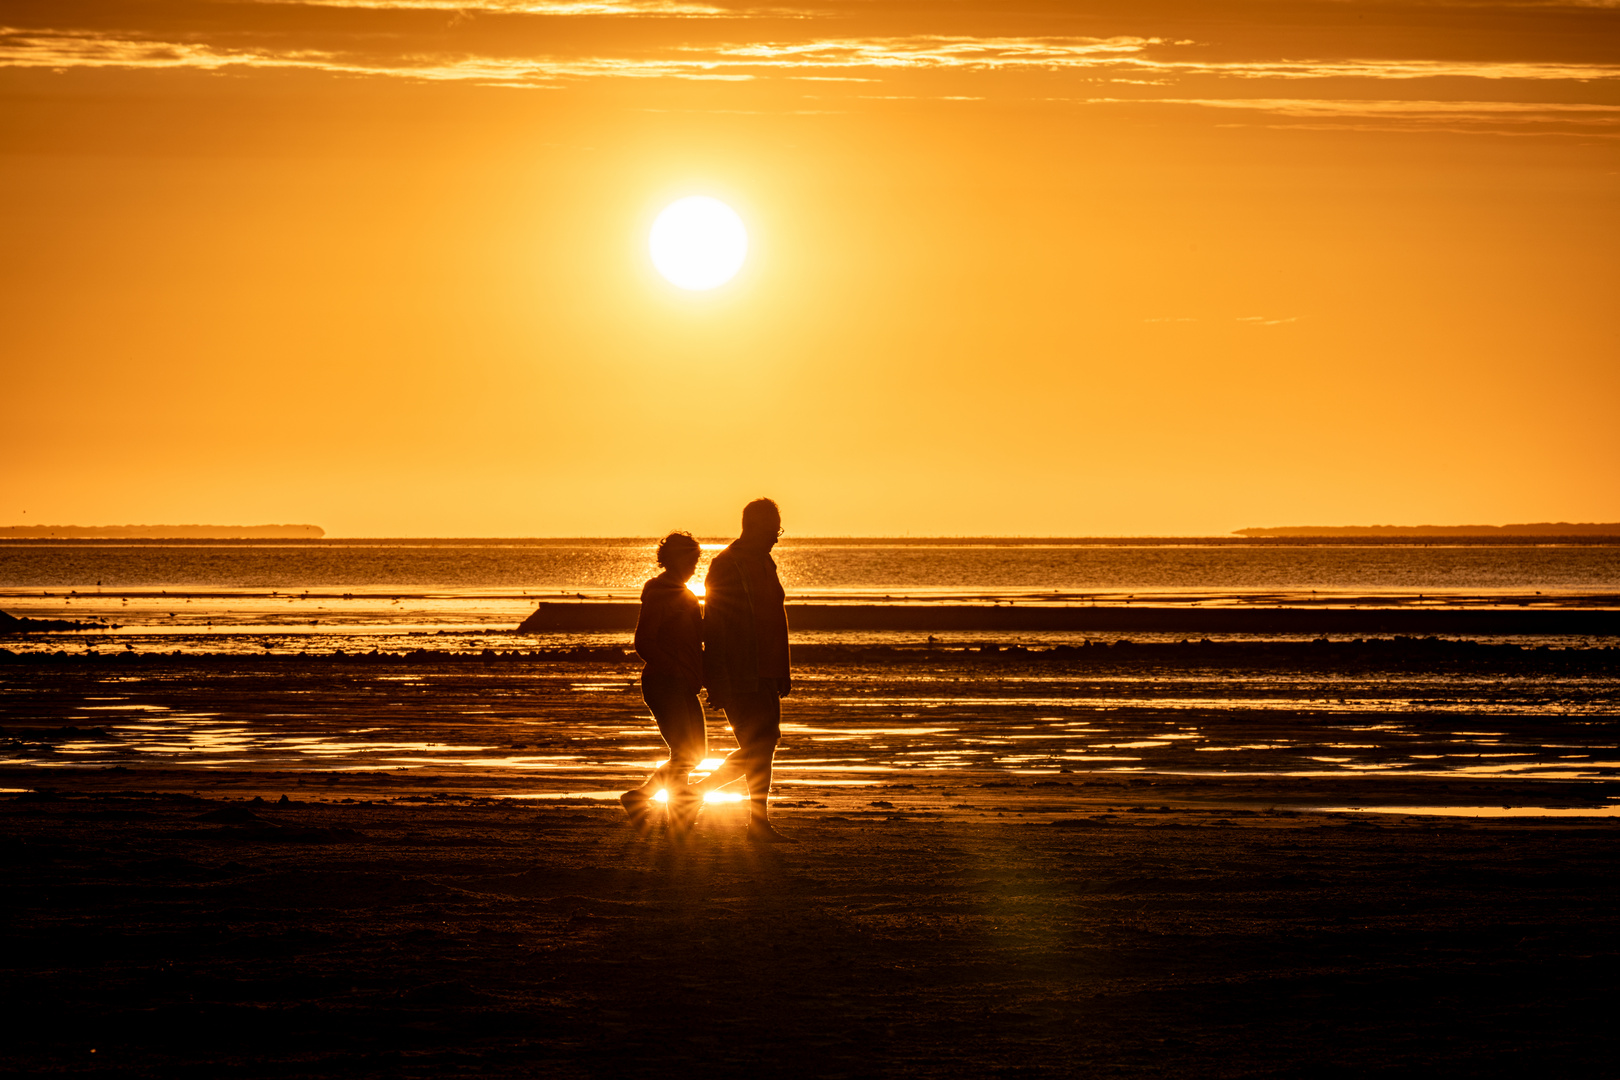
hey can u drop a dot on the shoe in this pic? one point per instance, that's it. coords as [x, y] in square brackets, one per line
[638, 804]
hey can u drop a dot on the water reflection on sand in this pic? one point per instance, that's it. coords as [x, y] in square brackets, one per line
[843, 727]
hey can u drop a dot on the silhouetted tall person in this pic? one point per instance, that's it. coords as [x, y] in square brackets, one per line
[745, 658]
[669, 637]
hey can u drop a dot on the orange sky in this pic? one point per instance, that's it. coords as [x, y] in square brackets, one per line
[1082, 269]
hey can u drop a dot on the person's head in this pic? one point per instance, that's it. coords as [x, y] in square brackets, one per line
[762, 521]
[678, 553]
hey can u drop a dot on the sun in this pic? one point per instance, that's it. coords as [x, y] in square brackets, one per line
[698, 243]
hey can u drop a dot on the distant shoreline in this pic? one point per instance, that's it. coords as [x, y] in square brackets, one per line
[161, 532]
[1528, 530]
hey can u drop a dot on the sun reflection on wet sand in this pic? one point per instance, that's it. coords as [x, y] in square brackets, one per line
[662, 796]
[590, 732]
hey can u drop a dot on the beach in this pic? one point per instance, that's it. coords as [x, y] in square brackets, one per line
[1147, 472]
[166, 936]
[1006, 864]
[306, 811]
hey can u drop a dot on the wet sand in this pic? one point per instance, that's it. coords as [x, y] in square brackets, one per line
[1025, 908]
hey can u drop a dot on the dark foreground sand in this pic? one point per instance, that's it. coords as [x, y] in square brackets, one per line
[165, 937]
[958, 924]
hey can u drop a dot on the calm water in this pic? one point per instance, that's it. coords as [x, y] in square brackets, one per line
[812, 567]
[579, 735]
[250, 596]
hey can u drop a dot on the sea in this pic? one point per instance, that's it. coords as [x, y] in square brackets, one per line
[254, 595]
[580, 734]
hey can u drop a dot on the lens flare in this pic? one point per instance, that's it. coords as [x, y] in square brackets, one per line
[662, 796]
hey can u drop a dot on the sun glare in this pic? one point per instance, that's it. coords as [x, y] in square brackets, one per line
[662, 796]
[698, 243]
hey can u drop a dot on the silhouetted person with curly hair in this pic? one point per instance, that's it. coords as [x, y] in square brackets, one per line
[745, 659]
[669, 638]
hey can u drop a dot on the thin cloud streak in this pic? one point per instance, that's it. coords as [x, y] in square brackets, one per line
[563, 8]
[1128, 53]
[1343, 107]
[1119, 58]
[1398, 69]
[1438, 129]
[978, 54]
[1470, 117]
[59, 50]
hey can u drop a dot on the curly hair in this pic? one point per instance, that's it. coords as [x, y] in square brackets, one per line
[676, 545]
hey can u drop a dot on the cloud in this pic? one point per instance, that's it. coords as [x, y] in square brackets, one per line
[1398, 69]
[76, 48]
[1513, 4]
[938, 53]
[59, 50]
[1121, 59]
[634, 8]
[85, 48]
[1351, 107]
[1125, 54]
[1470, 117]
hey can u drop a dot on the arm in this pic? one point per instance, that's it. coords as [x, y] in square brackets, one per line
[719, 594]
[718, 589]
[784, 686]
[650, 623]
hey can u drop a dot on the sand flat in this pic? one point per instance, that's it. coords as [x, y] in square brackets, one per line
[980, 913]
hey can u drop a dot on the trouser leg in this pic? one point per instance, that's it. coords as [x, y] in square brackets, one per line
[679, 716]
[757, 720]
